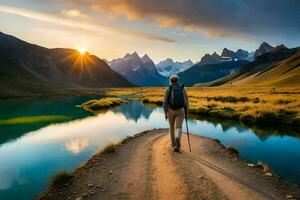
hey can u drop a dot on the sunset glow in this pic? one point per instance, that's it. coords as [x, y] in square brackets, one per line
[81, 50]
[161, 32]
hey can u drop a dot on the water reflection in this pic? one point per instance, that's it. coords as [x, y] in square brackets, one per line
[263, 132]
[134, 110]
[76, 146]
[34, 155]
[49, 106]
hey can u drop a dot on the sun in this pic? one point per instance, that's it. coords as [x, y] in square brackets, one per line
[81, 50]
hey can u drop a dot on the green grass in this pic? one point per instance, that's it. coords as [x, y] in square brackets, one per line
[33, 119]
[60, 178]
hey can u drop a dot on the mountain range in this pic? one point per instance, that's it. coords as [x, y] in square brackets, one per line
[278, 67]
[25, 65]
[201, 73]
[27, 68]
[140, 71]
[168, 67]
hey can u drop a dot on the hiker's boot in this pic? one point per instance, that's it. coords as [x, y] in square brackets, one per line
[177, 146]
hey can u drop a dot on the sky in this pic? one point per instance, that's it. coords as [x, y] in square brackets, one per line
[178, 29]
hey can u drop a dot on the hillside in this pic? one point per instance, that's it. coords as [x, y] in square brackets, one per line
[25, 67]
[138, 70]
[280, 67]
[205, 73]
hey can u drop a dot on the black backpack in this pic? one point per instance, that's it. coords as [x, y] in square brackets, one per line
[176, 96]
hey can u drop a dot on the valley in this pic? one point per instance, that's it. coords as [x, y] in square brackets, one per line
[63, 101]
[154, 100]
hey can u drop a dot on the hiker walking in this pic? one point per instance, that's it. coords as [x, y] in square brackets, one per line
[176, 105]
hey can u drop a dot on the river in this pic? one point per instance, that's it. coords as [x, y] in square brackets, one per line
[42, 136]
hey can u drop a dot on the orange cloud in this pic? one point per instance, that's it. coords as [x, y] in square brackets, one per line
[84, 25]
[213, 18]
[73, 13]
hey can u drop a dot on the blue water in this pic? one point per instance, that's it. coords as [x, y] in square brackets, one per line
[31, 153]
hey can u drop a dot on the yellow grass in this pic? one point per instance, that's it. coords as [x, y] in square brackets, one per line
[99, 105]
[251, 105]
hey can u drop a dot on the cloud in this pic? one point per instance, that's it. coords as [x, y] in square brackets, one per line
[76, 146]
[214, 18]
[73, 13]
[84, 25]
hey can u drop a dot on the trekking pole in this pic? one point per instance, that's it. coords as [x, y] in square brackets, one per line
[188, 134]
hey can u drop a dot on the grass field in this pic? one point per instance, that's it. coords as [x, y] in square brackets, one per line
[251, 105]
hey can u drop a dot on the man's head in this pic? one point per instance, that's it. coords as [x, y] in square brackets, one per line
[174, 79]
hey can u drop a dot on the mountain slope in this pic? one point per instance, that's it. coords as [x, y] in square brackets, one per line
[280, 67]
[24, 63]
[140, 71]
[205, 73]
[168, 67]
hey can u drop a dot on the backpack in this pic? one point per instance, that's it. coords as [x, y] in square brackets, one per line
[176, 96]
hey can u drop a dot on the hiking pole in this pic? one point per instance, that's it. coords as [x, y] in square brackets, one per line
[188, 134]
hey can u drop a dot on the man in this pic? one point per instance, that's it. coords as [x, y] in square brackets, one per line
[176, 105]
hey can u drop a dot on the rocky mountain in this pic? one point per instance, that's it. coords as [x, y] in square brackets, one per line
[138, 70]
[279, 67]
[263, 48]
[227, 55]
[239, 54]
[201, 73]
[23, 64]
[168, 67]
[210, 59]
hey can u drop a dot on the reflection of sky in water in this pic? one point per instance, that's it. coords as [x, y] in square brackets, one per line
[27, 162]
[30, 159]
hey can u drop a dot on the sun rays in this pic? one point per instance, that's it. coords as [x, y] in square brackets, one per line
[80, 62]
[81, 50]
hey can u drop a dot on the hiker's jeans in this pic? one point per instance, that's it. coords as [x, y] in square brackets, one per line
[176, 118]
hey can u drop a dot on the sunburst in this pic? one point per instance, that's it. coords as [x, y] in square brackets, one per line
[81, 50]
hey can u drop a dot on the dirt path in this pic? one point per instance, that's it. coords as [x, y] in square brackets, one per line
[145, 167]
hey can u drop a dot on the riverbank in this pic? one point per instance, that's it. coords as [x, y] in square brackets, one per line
[261, 106]
[144, 167]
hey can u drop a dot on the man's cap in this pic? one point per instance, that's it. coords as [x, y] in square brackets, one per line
[174, 79]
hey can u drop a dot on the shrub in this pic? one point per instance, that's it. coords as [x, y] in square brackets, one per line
[228, 109]
[267, 117]
[283, 101]
[110, 148]
[247, 119]
[126, 139]
[60, 178]
[233, 150]
[230, 99]
[296, 123]
[263, 166]
[217, 141]
[256, 100]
